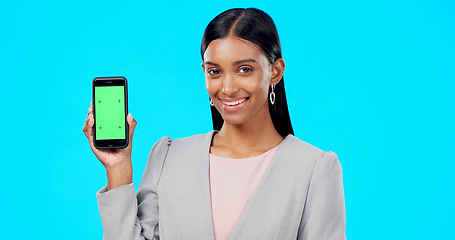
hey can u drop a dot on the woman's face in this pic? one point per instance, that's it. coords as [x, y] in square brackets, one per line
[237, 77]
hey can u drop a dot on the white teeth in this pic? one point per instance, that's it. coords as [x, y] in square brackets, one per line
[235, 102]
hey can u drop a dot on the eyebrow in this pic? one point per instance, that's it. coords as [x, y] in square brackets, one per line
[233, 64]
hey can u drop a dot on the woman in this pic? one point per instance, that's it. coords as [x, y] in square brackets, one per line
[250, 178]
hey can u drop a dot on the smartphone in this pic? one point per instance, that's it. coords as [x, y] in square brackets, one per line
[110, 108]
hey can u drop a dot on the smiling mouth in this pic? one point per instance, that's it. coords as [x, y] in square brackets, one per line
[237, 102]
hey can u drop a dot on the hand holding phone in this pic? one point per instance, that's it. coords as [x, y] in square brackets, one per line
[110, 101]
[117, 161]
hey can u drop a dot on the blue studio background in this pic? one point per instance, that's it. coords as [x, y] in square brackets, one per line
[372, 81]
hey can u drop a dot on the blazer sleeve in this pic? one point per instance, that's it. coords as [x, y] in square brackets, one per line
[324, 216]
[127, 216]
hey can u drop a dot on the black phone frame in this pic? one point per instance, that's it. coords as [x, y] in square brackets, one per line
[110, 143]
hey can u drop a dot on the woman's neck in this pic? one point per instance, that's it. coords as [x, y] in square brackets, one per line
[249, 139]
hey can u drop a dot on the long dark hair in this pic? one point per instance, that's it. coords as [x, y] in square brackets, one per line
[257, 27]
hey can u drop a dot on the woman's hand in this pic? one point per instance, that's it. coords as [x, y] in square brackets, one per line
[117, 162]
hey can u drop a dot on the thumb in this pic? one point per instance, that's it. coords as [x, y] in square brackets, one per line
[132, 125]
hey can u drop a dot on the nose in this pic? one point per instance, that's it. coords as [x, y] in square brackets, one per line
[229, 85]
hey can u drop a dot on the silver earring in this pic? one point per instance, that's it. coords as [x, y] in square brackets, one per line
[272, 94]
[211, 103]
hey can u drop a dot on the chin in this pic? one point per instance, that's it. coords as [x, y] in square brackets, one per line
[234, 120]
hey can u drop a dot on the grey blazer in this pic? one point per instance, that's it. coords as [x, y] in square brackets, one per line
[300, 196]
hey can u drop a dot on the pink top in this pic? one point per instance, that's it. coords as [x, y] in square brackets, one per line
[232, 183]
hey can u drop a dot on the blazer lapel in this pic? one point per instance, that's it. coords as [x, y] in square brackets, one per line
[254, 218]
[184, 190]
[205, 178]
[258, 217]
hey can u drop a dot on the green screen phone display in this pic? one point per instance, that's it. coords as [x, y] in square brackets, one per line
[109, 112]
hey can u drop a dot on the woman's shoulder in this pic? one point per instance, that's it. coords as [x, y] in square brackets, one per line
[196, 139]
[294, 143]
[183, 143]
[166, 140]
[305, 150]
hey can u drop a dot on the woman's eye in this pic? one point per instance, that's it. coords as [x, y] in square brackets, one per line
[213, 71]
[245, 70]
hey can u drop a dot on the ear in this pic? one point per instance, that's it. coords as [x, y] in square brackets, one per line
[203, 67]
[277, 71]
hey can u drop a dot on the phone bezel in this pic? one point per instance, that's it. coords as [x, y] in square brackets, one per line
[110, 143]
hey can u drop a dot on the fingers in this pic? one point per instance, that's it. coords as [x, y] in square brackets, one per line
[89, 122]
[89, 114]
[88, 126]
[132, 124]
